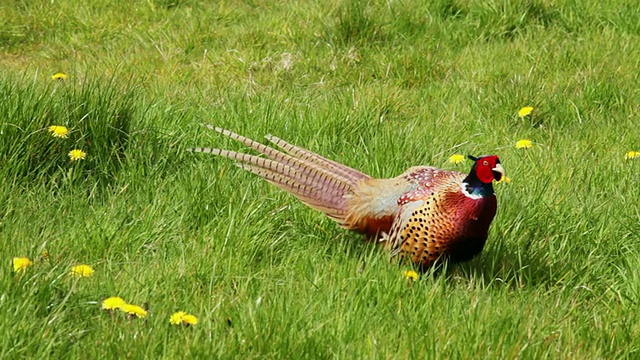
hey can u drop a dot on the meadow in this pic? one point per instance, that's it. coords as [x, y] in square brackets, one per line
[377, 85]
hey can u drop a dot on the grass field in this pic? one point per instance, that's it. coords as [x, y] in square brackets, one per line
[378, 85]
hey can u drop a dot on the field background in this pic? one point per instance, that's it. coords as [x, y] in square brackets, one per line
[377, 85]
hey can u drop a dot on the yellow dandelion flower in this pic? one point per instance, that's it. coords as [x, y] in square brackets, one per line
[58, 131]
[525, 111]
[77, 154]
[59, 76]
[81, 270]
[176, 318]
[632, 155]
[411, 275]
[505, 179]
[456, 158]
[134, 310]
[190, 319]
[20, 264]
[113, 303]
[182, 318]
[524, 144]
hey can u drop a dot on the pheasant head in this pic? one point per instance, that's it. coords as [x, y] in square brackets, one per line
[479, 182]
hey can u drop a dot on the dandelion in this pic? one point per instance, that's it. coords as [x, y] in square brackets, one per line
[81, 271]
[524, 144]
[505, 179]
[525, 111]
[632, 155]
[113, 303]
[182, 317]
[58, 131]
[77, 154]
[59, 76]
[410, 275]
[134, 310]
[190, 319]
[456, 158]
[20, 264]
[176, 318]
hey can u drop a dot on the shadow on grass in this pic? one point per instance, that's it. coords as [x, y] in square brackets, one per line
[498, 265]
[514, 267]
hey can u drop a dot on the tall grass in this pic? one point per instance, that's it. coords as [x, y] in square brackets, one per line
[379, 86]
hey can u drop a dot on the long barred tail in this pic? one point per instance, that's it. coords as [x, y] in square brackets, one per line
[320, 183]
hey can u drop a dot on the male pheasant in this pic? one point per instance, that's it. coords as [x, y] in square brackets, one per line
[425, 214]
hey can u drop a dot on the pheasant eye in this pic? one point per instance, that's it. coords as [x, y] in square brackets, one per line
[485, 163]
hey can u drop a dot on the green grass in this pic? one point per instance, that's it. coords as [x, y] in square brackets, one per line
[380, 86]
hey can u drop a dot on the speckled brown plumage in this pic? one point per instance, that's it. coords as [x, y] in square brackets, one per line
[437, 219]
[423, 215]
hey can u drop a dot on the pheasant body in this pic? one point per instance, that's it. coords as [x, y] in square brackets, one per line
[438, 219]
[423, 215]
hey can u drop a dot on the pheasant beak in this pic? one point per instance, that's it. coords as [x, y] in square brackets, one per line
[498, 172]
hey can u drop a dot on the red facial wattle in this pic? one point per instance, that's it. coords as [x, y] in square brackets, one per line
[488, 168]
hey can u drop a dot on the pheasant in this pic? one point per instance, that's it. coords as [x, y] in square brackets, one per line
[424, 215]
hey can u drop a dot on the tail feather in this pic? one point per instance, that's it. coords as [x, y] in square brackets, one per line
[331, 205]
[336, 167]
[295, 155]
[320, 183]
